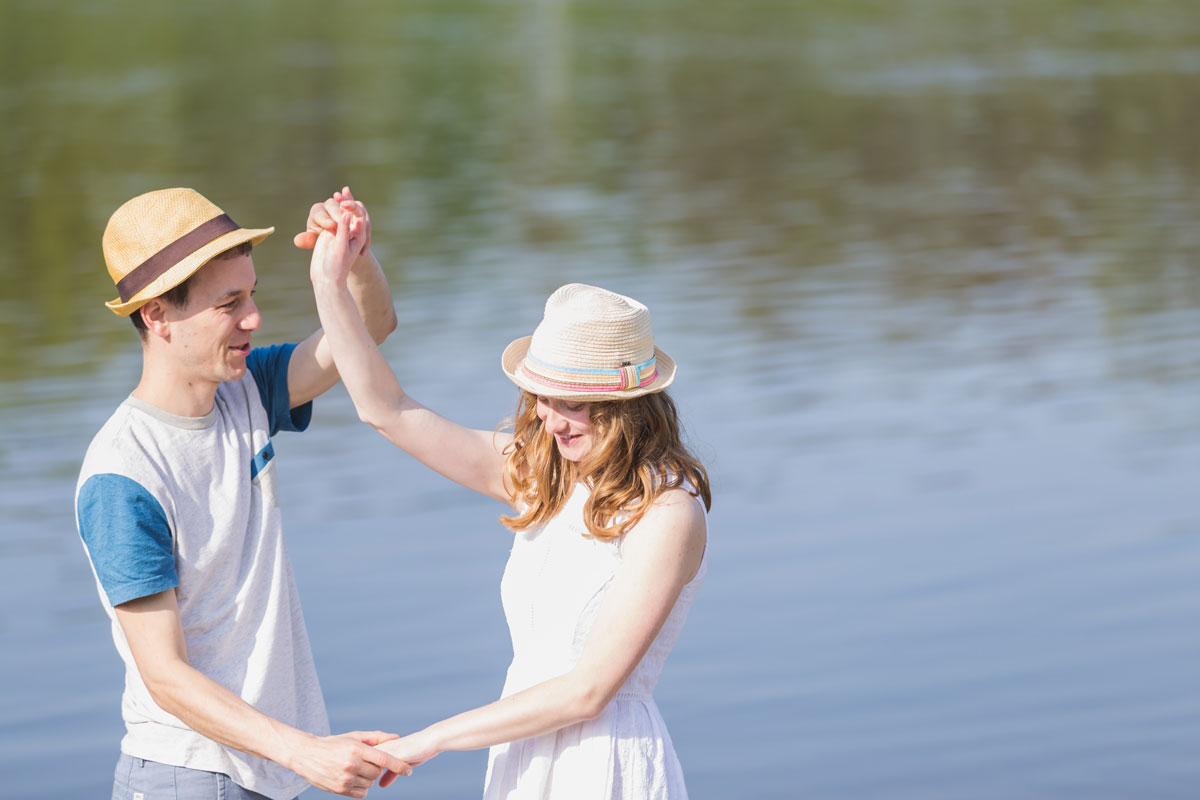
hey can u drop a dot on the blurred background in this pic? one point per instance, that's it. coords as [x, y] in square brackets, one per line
[930, 270]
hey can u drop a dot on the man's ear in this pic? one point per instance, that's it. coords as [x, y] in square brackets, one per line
[154, 314]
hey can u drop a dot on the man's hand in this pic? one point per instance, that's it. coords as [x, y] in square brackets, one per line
[346, 764]
[324, 217]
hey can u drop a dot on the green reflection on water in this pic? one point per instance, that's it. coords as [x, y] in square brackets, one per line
[779, 136]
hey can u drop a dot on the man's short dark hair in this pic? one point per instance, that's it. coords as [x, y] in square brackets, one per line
[177, 296]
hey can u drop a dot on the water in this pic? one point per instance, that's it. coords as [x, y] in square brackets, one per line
[929, 274]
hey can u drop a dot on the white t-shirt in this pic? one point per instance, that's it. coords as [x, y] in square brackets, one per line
[189, 503]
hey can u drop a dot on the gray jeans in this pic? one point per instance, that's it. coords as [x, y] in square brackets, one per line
[139, 779]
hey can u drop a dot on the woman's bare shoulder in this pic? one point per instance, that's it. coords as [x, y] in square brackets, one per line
[674, 522]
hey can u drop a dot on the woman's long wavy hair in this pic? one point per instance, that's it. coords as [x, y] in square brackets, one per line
[637, 454]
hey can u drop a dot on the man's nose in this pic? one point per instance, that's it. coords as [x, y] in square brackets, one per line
[252, 321]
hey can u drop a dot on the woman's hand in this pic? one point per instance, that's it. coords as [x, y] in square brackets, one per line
[414, 749]
[324, 217]
[334, 253]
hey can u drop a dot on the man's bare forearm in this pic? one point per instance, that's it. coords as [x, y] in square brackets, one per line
[369, 287]
[217, 713]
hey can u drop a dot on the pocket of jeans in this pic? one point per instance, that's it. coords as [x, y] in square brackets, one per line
[195, 784]
[122, 779]
[149, 780]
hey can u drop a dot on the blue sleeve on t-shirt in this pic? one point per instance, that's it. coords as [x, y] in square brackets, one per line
[127, 537]
[269, 365]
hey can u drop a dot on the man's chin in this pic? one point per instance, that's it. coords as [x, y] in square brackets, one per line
[234, 372]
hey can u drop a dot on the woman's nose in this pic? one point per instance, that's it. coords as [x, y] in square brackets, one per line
[555, 423]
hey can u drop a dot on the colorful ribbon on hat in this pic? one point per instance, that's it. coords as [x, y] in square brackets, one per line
[590, 380]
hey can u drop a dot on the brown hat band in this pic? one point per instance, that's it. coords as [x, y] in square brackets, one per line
[145, 273]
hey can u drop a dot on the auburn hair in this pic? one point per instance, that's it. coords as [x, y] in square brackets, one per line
[637, 454]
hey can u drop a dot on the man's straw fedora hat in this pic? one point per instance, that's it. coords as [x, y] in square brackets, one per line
[157, 240]
[592, 344]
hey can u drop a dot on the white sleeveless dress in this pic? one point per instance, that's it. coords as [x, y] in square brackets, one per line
[554, 584]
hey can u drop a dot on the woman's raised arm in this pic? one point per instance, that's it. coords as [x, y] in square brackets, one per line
[473, 458]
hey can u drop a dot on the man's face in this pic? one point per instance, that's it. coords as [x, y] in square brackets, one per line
[210, 336]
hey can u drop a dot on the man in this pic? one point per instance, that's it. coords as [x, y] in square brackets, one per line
[177, 508]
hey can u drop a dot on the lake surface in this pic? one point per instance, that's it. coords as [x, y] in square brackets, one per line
[931, 274]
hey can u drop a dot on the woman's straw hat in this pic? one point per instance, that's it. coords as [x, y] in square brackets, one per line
[157, 240]
[592, 344]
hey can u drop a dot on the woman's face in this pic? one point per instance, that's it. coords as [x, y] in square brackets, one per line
[569, 423]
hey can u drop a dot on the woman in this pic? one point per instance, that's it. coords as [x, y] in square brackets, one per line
[610, 534]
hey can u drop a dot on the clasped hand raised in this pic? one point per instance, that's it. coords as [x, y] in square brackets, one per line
[338, 231]
[324, 217]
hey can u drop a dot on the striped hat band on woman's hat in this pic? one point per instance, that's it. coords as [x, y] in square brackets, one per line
[157, 240]
[592, 344]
